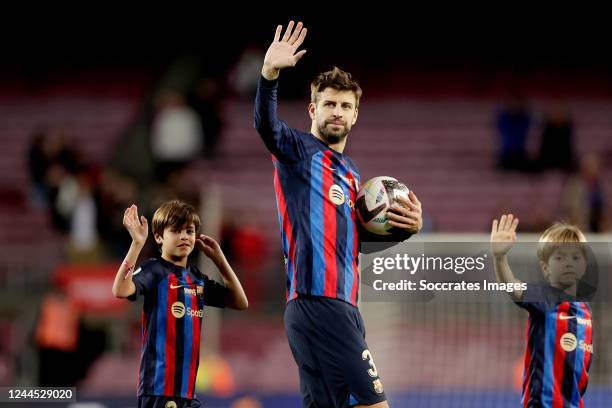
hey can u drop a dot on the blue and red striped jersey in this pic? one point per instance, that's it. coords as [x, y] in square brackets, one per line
[315, 189]
[559, 348]
[174, 300]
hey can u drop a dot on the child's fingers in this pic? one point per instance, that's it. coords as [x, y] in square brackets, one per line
[502, 222]
[494, 227]
[509, 221]
[514, 225]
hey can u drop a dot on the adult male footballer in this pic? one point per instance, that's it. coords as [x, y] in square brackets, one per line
[316, 185]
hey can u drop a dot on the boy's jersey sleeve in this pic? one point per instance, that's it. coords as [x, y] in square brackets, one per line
[214, 293]
[282, 141]
[145, 277]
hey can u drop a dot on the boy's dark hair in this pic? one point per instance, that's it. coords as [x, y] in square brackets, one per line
[174, 213]
[336, 79]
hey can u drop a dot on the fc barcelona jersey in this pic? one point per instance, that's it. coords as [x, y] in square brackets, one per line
[174, 300]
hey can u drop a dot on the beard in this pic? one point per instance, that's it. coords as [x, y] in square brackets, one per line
[333, 136]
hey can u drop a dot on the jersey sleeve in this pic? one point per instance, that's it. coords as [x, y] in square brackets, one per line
[145, 277]
[280, 140]
[214, 293]
[383, 241]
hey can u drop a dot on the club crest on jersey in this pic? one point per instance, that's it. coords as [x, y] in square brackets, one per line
[170, 404]
[200, 291]
[378, 387]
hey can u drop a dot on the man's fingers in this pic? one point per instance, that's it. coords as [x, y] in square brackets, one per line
[298, 56]
[404, 212]
[288, 32]
[408, 220]
[300, 39]
[296, 33]
[410, 204]
[412, 227]
[414, 198]
[277, 34]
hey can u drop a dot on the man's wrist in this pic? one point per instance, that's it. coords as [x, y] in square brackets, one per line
[270, 73]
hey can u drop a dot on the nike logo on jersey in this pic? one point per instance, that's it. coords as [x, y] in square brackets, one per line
[329, 168]
[580, 320]
[178, 286]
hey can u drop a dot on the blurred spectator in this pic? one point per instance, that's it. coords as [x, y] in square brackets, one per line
[53, 162]
[584, 197]
[84, 245]
[38, 163]
[176, 137]
[56, 338]
[206, 101]
[114, 195]
[513, 123]
[62, 190]
[557, 148]
[244, 76]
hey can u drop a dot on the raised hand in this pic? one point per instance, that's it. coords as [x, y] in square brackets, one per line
[503, 234]
[282, 52]
[137, 227]
[210, 247]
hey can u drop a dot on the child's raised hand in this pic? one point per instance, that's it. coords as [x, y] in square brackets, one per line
[210, 247]
[503, 234]
[137, 227]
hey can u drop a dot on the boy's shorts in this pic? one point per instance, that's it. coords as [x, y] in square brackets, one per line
[327, 339]
[157, 401]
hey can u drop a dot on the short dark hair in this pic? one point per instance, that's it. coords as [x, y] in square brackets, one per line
[174, 213]
[336, 79]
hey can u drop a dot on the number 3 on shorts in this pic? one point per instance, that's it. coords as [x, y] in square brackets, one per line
[366, 355]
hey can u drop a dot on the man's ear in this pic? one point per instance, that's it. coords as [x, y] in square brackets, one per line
[312, 107]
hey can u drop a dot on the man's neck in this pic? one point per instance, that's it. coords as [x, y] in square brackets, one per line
[339, 147]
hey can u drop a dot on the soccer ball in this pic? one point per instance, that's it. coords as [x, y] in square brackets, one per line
[372, 202]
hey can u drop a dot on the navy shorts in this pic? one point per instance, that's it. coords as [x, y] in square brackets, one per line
[327, 339]
[157, 401]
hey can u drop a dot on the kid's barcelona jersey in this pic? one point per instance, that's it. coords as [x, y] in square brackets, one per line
[174, 300]
[315, 189]
[559, 348]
